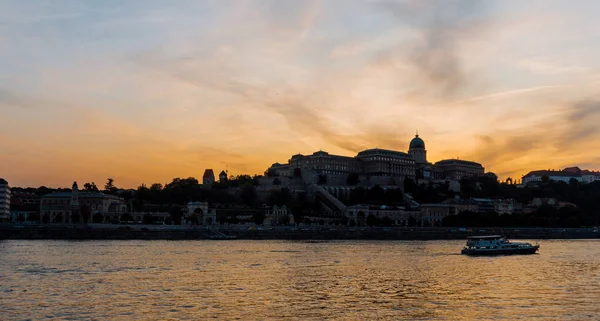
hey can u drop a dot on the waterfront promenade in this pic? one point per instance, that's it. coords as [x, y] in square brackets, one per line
[170, 232]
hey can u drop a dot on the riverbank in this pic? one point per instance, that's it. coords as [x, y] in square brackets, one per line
[198, 233]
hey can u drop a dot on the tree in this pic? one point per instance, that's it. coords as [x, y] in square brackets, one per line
[90, 187]
[371, 220]
[284, 220]
[126, 218]
[86, 213]
[409, 185]
[280, 197]
[258, 217]
[248, 195]
[376, 194]
[98, 218]
[148, 219]
[110, 187]
[352, 179]
[43, 190]
[271, 172]
[468, 187]
[155, 193]
[545, 179]
[298, 212]
[141, 195]
[176, 215]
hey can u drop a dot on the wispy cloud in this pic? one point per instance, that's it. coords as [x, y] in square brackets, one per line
[547, 68]
[149, 91]
[443, 28]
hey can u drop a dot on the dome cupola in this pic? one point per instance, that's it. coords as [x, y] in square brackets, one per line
[416, 143]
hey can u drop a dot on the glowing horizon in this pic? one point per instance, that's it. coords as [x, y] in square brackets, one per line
[145, 92]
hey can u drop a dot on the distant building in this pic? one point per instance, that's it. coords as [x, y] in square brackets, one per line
[156, 217]
[544, 201]
[433, 214]
[208, 178]
[4, 200]
[564, 175]
[458, 205]
[457, 169]
[71, 207]
[334, 168]
[24, 205]
[279, 216]
[416, 149]
[485, 205]
[378, 166]
[504, 207]
[383, 162]
[278, 170]
[222, 177]
[357, 214]
[20, 198]
[199, 212]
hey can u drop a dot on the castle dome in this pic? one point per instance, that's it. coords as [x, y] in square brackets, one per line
[417, 143]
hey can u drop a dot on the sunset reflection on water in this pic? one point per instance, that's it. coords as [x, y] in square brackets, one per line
[195, 280]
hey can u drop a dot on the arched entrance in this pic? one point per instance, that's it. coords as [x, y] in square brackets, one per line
[198, 217]
[361, 218]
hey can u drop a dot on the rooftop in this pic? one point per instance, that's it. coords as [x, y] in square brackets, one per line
[380, 151]
[208, 173]
[457, 161]
[80, 194]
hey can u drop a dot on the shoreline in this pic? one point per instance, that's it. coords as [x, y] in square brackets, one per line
[134, 232]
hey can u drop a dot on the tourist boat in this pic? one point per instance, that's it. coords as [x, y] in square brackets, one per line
[496, 245]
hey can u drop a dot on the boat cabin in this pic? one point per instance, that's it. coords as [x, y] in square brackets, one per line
[493, 242]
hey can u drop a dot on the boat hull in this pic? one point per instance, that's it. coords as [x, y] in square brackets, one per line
[483, 252]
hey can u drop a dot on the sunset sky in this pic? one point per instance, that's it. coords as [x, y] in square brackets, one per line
[145, 91]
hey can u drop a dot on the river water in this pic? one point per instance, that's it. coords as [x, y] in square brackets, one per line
[272, 280]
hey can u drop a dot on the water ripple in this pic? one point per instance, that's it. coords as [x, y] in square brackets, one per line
[311, 280]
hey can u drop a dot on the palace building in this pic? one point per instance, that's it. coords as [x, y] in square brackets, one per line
[4, 200]
[71, 207]
[380, 166]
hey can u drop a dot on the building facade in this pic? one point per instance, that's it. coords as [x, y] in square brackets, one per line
[383, 162]
[4, 201]
[564, 175]
[222, 177]
[457, 168]
[358, 214]
[279, 215]
[209, 177]
[324, 168]
[321, 164]
[76, 206]
[198, 212]
[433, 214]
